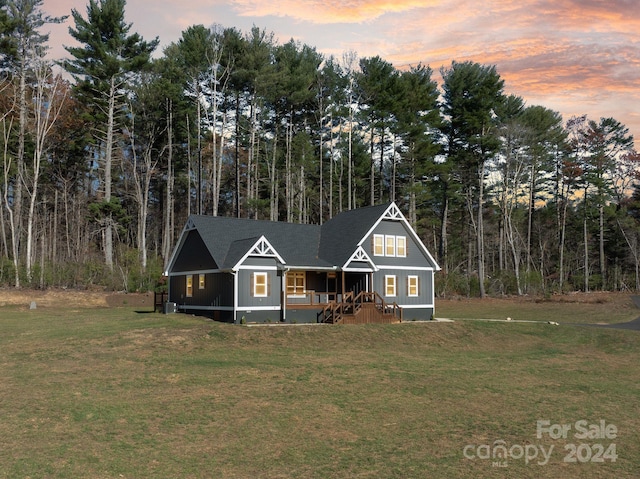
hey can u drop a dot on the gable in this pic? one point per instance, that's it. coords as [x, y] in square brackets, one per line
[252, 247]
[193, 254]
[393, 230]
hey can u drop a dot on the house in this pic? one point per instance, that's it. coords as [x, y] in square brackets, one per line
[363, 265]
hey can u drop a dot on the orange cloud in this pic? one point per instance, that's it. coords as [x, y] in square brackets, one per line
[329, 11]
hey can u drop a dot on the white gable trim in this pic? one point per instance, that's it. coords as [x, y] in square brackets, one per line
[359, 255]
[261, 248]
[393, 213]
[190, 225]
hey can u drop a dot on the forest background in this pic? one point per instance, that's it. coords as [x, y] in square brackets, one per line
[105, 155]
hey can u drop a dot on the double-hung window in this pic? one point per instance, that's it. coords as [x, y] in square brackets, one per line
[260, 285]
[389, 245]
[390, 285]
[413, 286]
[378, 245]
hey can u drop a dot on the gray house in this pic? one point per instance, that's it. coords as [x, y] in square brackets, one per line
[364, 265]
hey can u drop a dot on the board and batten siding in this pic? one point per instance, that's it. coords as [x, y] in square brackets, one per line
[414, 254]
[217, 291]
[246, 299]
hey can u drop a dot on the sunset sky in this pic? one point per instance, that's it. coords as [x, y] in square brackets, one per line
[573, 56]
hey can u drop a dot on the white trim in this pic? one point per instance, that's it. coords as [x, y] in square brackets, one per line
[417, 279]
[189, 225]
[235, 294]
[205, 308]
[256, 267]
[393, 213]
[406, 268]
[386, 286]
[358, 270]
[393, 241]
[359, 255]
[380, 237]
[248, 309]
[255, 284]
[415, 306]
[261, 248]
[199, 271]
[398, 255]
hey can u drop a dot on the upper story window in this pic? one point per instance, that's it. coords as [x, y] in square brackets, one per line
[390, 245]
[296, 283]
[201, 281]
[401, 246]
[378, 245]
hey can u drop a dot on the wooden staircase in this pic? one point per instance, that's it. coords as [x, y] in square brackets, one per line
[365, 308]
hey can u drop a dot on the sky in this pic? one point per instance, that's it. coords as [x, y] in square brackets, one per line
[572, 56]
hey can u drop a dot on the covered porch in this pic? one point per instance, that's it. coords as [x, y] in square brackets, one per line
[334, 296]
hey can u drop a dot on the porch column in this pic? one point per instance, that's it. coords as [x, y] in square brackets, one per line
[343, 292]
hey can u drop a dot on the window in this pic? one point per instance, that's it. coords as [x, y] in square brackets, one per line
[189, 285]
[201, 281]
[378, 245]
[413, 288]
[295, 283]
[390, 245]
[260, 285]
[390, 285]
[401, 246]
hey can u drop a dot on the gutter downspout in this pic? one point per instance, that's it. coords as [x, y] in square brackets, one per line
[234, 273]
[283, 294]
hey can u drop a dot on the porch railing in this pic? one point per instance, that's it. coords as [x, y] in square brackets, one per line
[313, 298]
[334, 312]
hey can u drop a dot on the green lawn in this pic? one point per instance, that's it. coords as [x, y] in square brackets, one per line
[111, 393]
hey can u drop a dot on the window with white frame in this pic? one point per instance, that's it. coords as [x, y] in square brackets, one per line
[201, 281]
[413, 286]
[189, 285]
[401, 246]
[378, 245]
[390, 285]
[296, 283]
[389, 245]
[260, 286]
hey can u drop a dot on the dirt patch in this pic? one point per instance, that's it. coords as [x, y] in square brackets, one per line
[56, 298]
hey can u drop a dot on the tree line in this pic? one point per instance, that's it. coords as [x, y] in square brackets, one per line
[105, 155]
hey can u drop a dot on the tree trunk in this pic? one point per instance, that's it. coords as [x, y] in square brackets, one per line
[480, 231]
[167, 237]
[108, 233]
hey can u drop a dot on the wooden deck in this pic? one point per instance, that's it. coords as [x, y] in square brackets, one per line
[365, 308]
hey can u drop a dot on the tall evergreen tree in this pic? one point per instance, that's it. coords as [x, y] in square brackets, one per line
[109, 55]
[473, 94]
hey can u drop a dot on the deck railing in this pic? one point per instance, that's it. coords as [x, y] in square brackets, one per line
[334, 312]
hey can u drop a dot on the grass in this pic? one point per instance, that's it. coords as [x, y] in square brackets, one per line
[104, 393]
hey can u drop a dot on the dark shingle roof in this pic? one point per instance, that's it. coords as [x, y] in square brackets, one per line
[229, 239]
[341, 234]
